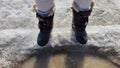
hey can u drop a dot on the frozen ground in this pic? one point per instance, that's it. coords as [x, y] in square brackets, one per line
[18, 27]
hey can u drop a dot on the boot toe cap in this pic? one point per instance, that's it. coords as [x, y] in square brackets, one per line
[42, 43]
[82, 40]
[81, 37]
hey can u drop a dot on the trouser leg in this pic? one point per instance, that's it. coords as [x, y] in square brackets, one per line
[44, 7]
[83, 5]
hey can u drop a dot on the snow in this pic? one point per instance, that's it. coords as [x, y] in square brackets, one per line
[18, 27]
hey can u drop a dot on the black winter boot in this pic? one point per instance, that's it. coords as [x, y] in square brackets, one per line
[80, 21]
[45, 25]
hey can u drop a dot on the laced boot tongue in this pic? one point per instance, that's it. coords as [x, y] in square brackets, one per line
[45, 27]
[80, 23]
[46, 24]
[80, 19]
